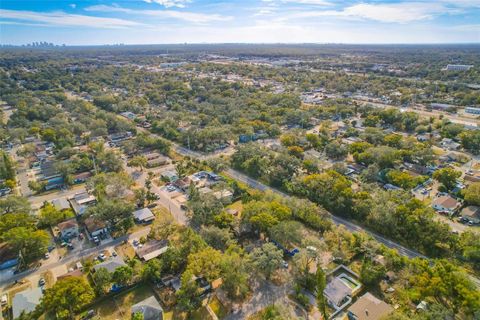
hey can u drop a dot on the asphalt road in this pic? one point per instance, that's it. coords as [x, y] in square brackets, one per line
[73, 257]
[337, 220]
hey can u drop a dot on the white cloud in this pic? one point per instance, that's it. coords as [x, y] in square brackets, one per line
[170, 3]
[73, 5]
[194, 17]
[394, 13]
[59, 18]
[309, 2]
[398, 12]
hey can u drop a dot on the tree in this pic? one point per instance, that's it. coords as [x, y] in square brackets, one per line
[447, 177]
[235, 275]
[371, 274]
[14, 204]
[31, 244]
[138, 162]
[320, 284]
[336, 150]
[266, 259]
[287, 232]
[67, 296]
[137, 316]
[102, 279]
[472, 194]
[218, 238]
[50, 216]
[152, 270]
[122, 275]
[118, 213]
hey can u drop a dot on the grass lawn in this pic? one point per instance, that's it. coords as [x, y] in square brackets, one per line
[120, 306]
[125, 250]
[201, 314]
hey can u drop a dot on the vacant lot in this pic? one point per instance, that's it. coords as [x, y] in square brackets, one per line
[120, 306]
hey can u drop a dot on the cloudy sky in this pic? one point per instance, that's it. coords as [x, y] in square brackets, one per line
[80, 22]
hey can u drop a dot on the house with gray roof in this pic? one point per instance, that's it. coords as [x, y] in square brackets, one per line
[111, 264]
[149, 308]
[143, 215]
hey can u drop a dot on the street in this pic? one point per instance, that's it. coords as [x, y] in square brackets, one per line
[50, 264]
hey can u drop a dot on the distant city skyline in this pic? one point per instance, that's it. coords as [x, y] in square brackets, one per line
[98, 22]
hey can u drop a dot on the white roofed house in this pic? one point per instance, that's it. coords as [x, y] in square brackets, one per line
[143, 215]
[81, 201]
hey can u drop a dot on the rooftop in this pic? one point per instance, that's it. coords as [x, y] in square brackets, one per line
[368, 307]
[149, 308]
[111, 265]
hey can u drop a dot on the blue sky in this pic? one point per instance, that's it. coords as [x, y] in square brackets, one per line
[82, 22]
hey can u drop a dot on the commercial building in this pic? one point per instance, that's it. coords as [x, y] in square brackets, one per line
[472, 110]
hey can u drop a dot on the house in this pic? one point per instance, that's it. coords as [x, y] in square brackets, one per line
[119, 137]
[471, 214]
[445, 203]
[149, 308]
[183, 184]
[472, 110]
[389, 186]
[441, 106]
[170, 176]
[143, 215]
[111, 264]
[449, 144]
[458, 67]
[155, 159]
[152, 249]
[81, 201]
[61, 204]
[81, 177]
[337, 292]
[368, 307]
[26, 301]
[68, 228]
[224, 195]
[95, 227]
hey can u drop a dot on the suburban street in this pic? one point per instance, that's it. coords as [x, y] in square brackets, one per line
[50, 264]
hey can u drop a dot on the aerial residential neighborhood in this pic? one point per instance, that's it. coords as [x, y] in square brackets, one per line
[264, 171]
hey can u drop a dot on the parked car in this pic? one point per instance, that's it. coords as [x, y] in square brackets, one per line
[101, 257]
[41, 282]
[47, 255]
